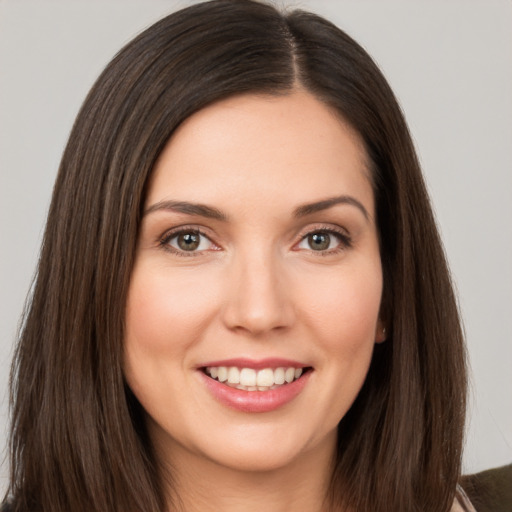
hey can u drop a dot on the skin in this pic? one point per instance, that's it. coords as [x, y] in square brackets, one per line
[254, 288]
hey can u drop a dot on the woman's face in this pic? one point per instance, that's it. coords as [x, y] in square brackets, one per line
[257, 260]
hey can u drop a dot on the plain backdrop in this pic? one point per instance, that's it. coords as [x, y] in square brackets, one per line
[450, 64]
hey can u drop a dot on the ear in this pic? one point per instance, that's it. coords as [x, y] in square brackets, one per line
[380, 332]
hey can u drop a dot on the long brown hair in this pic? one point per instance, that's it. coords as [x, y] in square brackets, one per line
[78, 440]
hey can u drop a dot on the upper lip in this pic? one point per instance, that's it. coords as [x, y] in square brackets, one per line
[256, 364]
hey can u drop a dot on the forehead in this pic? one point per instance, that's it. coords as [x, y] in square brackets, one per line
[260, 145]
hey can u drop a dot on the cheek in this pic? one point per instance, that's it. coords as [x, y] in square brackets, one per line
[339, 309]
[344, 306]
[166, 313]
[165, 310]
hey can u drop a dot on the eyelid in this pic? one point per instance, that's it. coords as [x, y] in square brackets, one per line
[326, 227]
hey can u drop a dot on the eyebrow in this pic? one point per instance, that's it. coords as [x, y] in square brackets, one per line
[211, 212]
[188, 208]
[324, 204]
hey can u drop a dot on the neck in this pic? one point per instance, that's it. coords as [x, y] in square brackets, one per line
[204, 486]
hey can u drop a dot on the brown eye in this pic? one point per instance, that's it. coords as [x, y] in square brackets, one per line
[319, 241]
[188, 241]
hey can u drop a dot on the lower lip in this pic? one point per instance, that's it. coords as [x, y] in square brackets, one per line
[255, 401]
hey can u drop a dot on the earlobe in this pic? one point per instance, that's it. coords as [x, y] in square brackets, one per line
[380, 334]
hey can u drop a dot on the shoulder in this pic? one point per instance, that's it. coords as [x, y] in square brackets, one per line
[462, 502]
[490, 490]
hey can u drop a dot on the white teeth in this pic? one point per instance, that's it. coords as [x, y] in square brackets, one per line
[233, 375]
[265, 378]
[279, 376]
[222, 374]
[249, 379]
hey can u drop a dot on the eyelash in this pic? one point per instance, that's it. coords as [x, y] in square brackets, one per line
[345, 241]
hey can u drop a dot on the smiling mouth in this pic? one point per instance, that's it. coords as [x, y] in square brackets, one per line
[249, 379]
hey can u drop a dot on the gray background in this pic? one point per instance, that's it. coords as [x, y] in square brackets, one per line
[449, 63]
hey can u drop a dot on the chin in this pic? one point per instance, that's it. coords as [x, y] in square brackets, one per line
[255, 460]
[265, 450]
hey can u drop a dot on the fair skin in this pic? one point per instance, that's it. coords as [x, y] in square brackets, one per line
[256, 281]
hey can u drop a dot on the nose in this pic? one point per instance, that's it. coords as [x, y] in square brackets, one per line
[259, 300]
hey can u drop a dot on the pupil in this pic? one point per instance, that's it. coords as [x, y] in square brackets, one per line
[188, 241]
[319, 241]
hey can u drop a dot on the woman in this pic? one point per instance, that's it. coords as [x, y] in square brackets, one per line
[242, 300]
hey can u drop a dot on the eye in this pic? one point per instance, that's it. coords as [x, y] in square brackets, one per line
[187, 241]
[324, 241]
